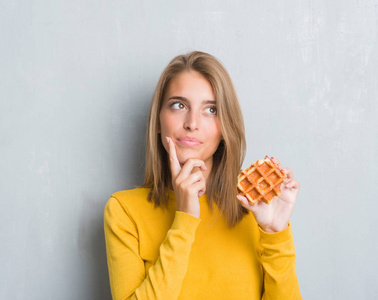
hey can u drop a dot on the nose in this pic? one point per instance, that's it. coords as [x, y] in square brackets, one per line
[192, 121]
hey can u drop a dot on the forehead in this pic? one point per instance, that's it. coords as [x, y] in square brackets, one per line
[190, 84]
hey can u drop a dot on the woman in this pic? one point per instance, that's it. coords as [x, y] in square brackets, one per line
[186, 234]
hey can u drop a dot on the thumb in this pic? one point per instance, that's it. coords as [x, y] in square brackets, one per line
[245, 203]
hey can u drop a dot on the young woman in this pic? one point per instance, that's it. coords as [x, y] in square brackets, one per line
[186, 234]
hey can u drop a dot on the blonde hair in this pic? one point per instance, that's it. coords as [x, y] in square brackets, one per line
[227, 159]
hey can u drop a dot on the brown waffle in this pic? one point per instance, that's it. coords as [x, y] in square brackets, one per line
[261, 181]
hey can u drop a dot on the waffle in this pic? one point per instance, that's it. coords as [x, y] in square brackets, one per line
[261, 181]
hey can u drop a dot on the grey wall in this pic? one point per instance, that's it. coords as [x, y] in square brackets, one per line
[76, 78]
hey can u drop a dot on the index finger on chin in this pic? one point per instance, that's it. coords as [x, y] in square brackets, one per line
[174, 163]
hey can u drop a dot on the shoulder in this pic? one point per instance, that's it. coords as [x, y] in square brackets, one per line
[129, 199]
[127, 205]
[133, 206]
[129, 196]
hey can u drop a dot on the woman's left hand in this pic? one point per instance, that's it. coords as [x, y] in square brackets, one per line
[275, 216]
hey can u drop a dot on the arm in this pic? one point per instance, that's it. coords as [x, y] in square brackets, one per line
[128, 279]
[278, 254]
[278, 263]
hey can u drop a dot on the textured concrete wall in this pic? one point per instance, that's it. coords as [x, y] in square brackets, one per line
[76, 78]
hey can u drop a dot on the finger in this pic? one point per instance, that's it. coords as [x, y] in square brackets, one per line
[174, 163]
[190, 164]
[289, 173]
[200, 187]
[276, 161]
[244, 202]
[292, 184]
[193, 178]
[196, 182]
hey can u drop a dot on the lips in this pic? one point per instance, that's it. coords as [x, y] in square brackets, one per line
[189, 141]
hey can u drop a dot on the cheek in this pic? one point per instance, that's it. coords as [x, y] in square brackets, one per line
[213, 135]
[214, 130]
[167, 124]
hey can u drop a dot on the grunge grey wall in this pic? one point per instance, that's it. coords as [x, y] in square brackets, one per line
[76, 78]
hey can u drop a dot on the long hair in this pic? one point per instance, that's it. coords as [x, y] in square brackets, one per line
[228, 158]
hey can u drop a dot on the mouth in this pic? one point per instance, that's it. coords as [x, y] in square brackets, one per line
[189, 141]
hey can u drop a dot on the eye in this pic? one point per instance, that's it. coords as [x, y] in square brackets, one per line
[177, 105]
[212, 110]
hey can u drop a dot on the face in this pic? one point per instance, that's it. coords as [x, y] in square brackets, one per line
[189, 117]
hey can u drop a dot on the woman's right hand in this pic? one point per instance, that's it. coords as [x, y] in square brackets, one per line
[187, 185]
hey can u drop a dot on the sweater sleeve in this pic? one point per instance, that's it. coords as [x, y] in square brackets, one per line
[278, 262]
[128, 278]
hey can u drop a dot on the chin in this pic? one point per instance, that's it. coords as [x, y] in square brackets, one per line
[183, 158]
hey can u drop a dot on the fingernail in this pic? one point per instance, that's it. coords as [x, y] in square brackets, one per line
[167, 139]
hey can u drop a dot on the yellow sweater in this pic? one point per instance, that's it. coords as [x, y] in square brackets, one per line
[158, 253]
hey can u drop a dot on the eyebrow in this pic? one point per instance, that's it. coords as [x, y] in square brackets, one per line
[186, 100]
